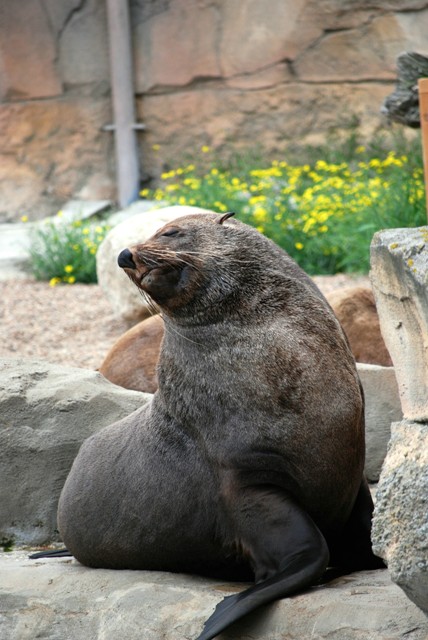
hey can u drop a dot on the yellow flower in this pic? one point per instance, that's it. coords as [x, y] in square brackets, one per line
[168, 174]
[99, 229]
[54, 281]
[93, 251]
[85, 231]
[71, 279]
[24, 218]
[260, 214]
[220, 206]
[155, 147]
[60, 213]
[299, 246]
[205, 149]
[144, 193]
[360, 149]
[68, 268]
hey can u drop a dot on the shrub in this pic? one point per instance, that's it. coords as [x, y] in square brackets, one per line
[324, 214]
[65, 252]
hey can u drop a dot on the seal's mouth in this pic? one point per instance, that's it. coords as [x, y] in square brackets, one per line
[138, 269]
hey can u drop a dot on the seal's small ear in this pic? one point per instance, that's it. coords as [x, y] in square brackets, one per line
[227, 215]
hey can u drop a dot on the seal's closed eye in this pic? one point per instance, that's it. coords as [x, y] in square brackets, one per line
[172, 231]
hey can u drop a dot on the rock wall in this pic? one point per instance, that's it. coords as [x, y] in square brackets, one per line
[225, 73]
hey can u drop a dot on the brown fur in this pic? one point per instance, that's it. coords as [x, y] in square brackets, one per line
[131, 362]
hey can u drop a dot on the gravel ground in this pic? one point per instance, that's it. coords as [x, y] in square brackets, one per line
[74, 325]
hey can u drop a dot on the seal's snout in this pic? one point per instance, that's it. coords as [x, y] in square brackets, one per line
[125, 260]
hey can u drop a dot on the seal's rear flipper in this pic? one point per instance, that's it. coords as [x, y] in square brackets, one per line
[56, 553]
[286, 550]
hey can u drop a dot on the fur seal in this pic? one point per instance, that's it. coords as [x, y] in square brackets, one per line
[131, 361]
[248, 461]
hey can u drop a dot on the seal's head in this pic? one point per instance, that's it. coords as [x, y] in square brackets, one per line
[176, 262]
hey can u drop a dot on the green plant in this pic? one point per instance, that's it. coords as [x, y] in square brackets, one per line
[7, 543]
[65, 252]
[324, 213]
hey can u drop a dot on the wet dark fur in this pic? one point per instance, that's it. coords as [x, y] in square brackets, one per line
[249, 459]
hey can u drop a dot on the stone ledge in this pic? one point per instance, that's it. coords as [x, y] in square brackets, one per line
[60, 599]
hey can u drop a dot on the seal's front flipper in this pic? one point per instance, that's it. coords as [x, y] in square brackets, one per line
[285, 548]
[55, 553]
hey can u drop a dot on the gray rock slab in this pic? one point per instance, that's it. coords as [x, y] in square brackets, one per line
[14, 245]
[62, 600]
[140, 206]
[400, 524]
[382, 407]
[399, 276]
[46, 411]
[83, 209]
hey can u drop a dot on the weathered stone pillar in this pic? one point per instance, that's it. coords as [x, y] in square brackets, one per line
[399, 275]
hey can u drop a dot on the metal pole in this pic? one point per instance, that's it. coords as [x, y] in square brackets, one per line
[122, 86]
[423, 111]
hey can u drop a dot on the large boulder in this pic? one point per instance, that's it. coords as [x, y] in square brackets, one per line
[61, 599]
[122, 294]
[46, 412]
[399, 262]
[399, 275]
[400, 525]
[382, 407]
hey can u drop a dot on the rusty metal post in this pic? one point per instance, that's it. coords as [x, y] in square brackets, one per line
[423, 110]
[122, 86]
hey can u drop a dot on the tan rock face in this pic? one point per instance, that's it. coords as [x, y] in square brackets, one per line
[234, 119]
[49, 151]
[27, 53]
[227, 73]
[254, 36]
[173, 47]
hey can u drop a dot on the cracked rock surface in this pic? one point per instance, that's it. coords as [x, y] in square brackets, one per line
[62, 600]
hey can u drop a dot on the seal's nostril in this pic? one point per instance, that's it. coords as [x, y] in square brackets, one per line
[125, 260]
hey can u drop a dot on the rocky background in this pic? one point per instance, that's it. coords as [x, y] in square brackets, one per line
[231, 74]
